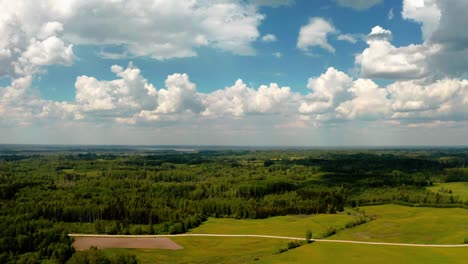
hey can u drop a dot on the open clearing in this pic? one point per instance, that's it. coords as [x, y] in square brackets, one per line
[199, 250]
[263, 250]
[401, 224]
[459, 189]
[367, 254]
[84, 243]
[290, 225]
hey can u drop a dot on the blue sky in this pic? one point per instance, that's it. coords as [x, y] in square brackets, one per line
[284, 22]
[145, 72]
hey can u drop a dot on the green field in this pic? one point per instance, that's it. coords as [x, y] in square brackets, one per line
[290, 225]
[459, 189]
[260, 250]
[392, 223]
[362, 254]
[209, 250]
[395, 223]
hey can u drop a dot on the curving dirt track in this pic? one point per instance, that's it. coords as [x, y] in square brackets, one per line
[77, 236]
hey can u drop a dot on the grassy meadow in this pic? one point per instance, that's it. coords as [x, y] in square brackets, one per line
[367, 254]
[395, 223]
[290, 225]
[459, 189]
[199, 250]
[392, 223]
[259, 250]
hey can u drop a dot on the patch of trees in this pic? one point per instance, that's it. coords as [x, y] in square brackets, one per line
[95, 256]
[25, 239]
[362, 163]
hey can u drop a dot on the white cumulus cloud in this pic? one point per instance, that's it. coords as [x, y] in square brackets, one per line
[425, 12]
[239, 100]
[23, 53]
[180, 95]
[369, 101]
[124, 96]
[383, 60]
[156, 29]
[444, 99]
[329, 90]
[315, 34]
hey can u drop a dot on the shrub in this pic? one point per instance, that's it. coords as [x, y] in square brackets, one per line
[281, 250]
[291, 245]
[294, 244]
[308, 235]
[124, 259]
[330, 231]
[96, 256]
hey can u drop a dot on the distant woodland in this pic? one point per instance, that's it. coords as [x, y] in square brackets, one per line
[46, 195]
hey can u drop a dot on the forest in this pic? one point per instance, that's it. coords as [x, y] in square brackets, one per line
[47, 193]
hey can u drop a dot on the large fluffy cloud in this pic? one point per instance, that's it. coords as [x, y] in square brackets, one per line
[131, 97]
[239, 100]
[444, 51]
[157, 29]
[315, 34]
[131, 92]
[180, 95]
[383, 60]
[425, 12]
[337, 96]
[443, 23]
[329, 90]
[419, 101]
[369, 102]
[451, 29]
[22, 53]
[18, 103]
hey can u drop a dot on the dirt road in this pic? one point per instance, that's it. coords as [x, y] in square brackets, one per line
[274, 237]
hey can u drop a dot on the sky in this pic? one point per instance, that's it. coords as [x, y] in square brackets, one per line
[234, 72]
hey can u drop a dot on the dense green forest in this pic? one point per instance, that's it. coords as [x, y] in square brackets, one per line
[44, 195]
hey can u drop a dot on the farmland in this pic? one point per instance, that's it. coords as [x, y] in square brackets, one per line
[394, 223]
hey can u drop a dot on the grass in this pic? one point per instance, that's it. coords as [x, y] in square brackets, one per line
[459, 189]
[362, 254]
[290, 225]
[209, 250]
[259, 250]
[395, 223]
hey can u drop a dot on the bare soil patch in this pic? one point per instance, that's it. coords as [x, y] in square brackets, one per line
[83, 243]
